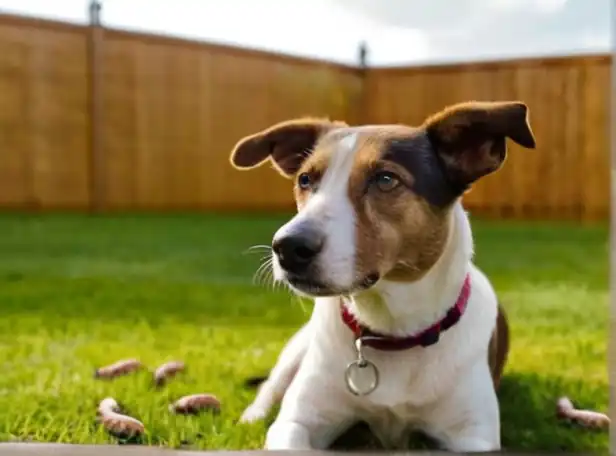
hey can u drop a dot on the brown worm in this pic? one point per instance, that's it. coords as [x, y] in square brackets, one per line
[123, 367]
[115, 423]
[586, 418]
[167, 371]
[194, 403]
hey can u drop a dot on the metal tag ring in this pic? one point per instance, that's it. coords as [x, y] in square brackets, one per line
[356, 367]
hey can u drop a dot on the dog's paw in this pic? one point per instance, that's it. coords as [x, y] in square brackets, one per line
[252, 414]
[473, 445]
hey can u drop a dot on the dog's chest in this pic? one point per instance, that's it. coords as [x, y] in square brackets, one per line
[411, 379]
[408, 389]
[393, 426]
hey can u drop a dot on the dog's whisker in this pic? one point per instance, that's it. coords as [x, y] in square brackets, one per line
[302, 303]
[265, 260]
[257, 249]
[267, 274]
[260, 246]
[271, 282]
[408, 265]
[280, 285]
[262, 271]
[256, 278]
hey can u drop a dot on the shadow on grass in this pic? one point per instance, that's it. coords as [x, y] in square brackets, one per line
[528, 414]
[528, 420]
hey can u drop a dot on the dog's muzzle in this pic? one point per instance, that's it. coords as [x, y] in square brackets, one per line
[298, 250]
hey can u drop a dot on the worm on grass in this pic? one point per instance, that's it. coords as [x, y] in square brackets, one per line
[108, 405]
[586, 418]
[167, 371]
[122, 426]
[195, 403]
[122, 367]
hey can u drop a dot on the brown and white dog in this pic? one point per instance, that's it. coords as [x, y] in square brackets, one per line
[383, 245]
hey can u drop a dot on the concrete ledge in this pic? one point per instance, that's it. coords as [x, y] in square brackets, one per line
[56, 449]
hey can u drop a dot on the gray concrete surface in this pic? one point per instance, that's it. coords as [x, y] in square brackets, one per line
[51, 449]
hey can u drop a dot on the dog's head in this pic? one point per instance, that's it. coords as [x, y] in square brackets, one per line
[373, 201]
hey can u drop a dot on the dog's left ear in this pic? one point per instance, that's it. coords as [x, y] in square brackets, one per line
[470, 138]
[287, 144]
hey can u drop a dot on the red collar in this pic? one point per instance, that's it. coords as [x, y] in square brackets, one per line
[425, 338]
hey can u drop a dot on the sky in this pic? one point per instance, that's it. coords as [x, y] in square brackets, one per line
[397, 32]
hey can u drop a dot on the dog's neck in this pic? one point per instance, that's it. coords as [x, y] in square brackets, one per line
[402, 308]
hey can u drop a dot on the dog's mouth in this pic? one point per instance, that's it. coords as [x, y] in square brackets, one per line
[314, 288]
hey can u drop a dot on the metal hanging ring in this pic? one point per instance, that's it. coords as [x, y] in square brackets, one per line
[361, 367]
[365, 368]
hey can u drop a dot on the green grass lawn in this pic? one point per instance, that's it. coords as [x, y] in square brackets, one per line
[79, 292]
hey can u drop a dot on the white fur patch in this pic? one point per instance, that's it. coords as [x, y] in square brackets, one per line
[330, 209]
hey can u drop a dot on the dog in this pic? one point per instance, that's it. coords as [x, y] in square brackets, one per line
[406, 332]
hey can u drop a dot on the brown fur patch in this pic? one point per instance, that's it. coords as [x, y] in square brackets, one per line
[471, 137]
[503, 118]
[399, 235]
[498, 349]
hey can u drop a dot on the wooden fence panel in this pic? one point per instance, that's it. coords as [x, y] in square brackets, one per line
[44, 124]
[173, 112]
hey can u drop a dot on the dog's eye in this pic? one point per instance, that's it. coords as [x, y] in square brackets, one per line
[304, 182]
[386, 181]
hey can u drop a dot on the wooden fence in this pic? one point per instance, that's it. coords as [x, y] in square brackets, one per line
[110, 120]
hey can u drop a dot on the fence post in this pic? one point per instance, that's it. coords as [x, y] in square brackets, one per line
[362, 56]
[95, 43]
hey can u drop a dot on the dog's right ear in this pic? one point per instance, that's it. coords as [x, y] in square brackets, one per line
[287, 144]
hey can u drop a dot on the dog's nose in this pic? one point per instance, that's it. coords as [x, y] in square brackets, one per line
[296, 251]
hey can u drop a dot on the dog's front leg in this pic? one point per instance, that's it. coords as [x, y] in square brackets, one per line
[274, 388]
[468, 420]
[313, 413]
